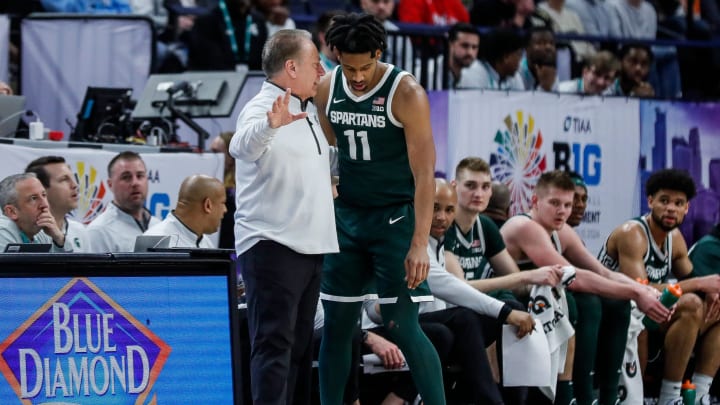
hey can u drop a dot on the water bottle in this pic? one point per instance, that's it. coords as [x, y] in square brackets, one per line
[669, 297]
[688, 393]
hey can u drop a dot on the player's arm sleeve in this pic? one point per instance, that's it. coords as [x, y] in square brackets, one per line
[455, 291]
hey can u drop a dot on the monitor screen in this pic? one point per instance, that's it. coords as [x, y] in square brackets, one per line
[102, 114]
[150, 332]
[197, 94]
[11, 110]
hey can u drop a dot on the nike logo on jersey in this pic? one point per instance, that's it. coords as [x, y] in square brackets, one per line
[338, 100]
[393, 220]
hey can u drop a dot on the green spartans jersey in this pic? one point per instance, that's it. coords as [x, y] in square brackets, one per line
[374, 165]
[472, 249]
[658, 262]
[705, 254]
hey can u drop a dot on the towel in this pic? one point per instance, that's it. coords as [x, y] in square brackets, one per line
[549, 305]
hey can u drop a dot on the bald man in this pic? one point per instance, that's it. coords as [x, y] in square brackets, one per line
[199, 210]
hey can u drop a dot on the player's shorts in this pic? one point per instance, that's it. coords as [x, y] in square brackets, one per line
[371, 263]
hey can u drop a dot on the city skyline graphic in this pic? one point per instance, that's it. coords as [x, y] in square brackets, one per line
[684, 136]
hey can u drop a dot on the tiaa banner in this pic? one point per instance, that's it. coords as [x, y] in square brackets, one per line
[525, 134]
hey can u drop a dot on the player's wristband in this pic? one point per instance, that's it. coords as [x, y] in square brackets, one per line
[504, 313]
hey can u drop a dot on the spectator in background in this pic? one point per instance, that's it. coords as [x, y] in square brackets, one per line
[199, 210]
[229, 35]
[598, 74]
[276, 13]
[62, 194]
[26, 216]
[544, 69]
[221, 144]
[566, 20]
[125, 217]
[432, 12]
[173, 21]
[328, 58]
[596, 17]
[463, 46]
[399, 50]
[501, 53]
[635, 19]
[635, 61]
[540, 60]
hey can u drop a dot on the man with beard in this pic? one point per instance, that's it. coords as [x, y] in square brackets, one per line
[463, 46]
[541, 49]
[501, 55]
[650, 247]
[635, 61]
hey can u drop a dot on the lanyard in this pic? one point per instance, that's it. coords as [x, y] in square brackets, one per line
[491, 80]
[230, 31]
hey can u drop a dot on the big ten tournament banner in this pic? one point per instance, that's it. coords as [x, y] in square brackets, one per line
[683, 136]
[165, 172]
[525, 134]
[160, 339]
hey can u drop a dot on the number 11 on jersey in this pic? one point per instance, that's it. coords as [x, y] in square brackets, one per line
[352, 144]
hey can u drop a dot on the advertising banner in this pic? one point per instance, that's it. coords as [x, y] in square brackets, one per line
[165, 173]
[116, 340]
[525, 134]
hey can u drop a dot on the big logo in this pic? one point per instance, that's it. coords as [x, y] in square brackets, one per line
[81, 347]
[518, 161]
[91, 191]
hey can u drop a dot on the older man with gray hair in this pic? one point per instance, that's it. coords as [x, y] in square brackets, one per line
[26, 216]
[284, 221]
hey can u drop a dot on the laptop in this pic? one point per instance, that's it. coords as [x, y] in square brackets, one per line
[11, 110]
[145, 242]
[28, 248]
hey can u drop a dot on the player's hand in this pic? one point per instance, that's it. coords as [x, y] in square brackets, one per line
[417, 265]
[388, 352]
[280, 113]
[546, 275]
[523, 321]
[710, 284]
[47, 223]
[712, 308]
[651, 306]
